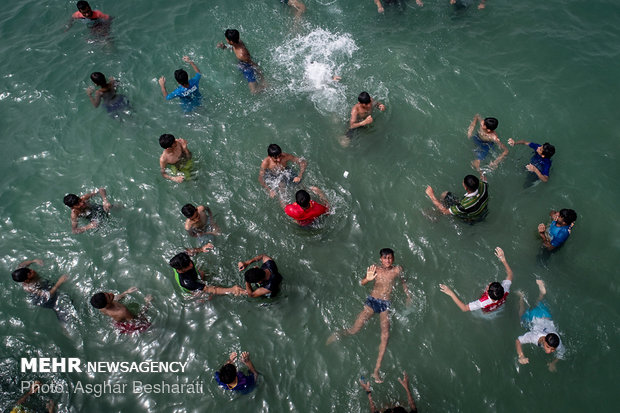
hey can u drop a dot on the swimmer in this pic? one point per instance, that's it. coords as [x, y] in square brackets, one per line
[557, 232]
[247, 66]
[80, 208]
[481, 5]
[109, 304]
[199, 221]
[304, 211]
[106, 92]
[275, 163]
[380, 8]
[493, 297]
[485, 139]
[188, 91]
[230, 379]
[176, 154]
[34, 387]
[540, 164]
[472, 207]
[85, 13]
[266, 278]
[361, 115]
[397, 409]
[187, 277]
[299, 7]
[38, 289]
[543, 331]
[378, 302]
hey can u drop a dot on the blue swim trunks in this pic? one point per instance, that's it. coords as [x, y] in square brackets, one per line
[248, 71]
[482, 147]
[378, 305]
[540, 311]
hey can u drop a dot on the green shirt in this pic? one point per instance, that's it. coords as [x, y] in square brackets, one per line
[473, 205]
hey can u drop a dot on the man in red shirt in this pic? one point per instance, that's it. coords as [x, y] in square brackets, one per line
[305, 210]
[85, 12]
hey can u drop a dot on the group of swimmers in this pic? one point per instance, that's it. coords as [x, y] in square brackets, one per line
[275, 174]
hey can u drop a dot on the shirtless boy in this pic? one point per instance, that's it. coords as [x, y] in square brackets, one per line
[38, 289]
[250, 70]
[380, 8]
[378, 301]
[175, 154]
[108, 304]
[361, 115]
[275, 164]
[199, 221]
[485, 139]
[80, 208]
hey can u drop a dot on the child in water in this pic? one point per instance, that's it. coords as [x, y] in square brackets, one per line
[113, 102]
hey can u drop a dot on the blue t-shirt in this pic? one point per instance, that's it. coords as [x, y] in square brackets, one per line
[245, 384]
[190, 96]
[557, 234]
[543, 164]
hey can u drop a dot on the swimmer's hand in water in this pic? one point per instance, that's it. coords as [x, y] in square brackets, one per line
[162, 81]
[511, 142]
[178, 179]
[542, 228]
[148, 299]
[499, 253]
[186, 59]
[481, 5]
[336, 78]
[367, 121]
[365, 385]
[272, 193]
[530, 167]
[38, 261]
[371, 273]
[429, 191]
[107, 206]
[380, 9]
[523, 360]
[221, 45]
[90, 90]
[446, 290]
[419, 3]
[236, 290]
[452, 1]
[131, 290]
[381, 107]
[206, 247]
[297, 179]
[241, 265]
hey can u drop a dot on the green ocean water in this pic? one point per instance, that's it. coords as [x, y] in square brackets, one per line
[547, 70]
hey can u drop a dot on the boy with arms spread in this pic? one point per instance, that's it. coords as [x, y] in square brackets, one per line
[541, 158]
[187, 92]
[485, 139]
[80, 208]
[556, 233]
[266, 278]
[378, 302]
[109, 304]
[246, 65]
[276, 164]
[177, 156]
[494, 296]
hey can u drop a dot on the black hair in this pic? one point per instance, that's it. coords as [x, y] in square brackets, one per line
[553, 340]
[82, 5]
[491, 123]
[180, 261]
[548, 150]
[386, 251]
[98, 78]
[228, 373]
[232, 35]
[166, 140]
[188, 210]
[496, 291]
[397, 409]
[364, 97]
[471, 182]
[99, 300]
[181, 76]
[20, 274]
[254, 275]
[71, 200]
[274, 150]
[302, 198]
[568, 215]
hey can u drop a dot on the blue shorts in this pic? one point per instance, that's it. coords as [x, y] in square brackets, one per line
[540, 311]
[248, 71]
[482, 147]
[378, 305]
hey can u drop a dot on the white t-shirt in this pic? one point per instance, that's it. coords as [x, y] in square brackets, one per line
[484, 302]
[540, 328]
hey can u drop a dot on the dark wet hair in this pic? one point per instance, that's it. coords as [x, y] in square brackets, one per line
[228, 373]
[274, 150]
[99, 300]
[302, 198]
[254, 275]
[471, 182]
[386, 251]
[553, 340]
[82, 5]
[496, 291]
[232, 35]
[180, 261]
[568, 215]
[166, 140]
[548, 150]
[71, 200]
[20, 274]
[491, 123]
[364, 97]
[397, 409]
[188, 210]
[98, 78]
[181, 76]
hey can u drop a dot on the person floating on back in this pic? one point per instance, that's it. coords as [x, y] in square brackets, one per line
[305, 210]
[114, 103]
[493, 297]
[81, 208]
[175, 157]
[485, 140]
[361, 115]
[540, 164]
[472, 207]
[124, 320]
[188, 91]
[275, 167]
[263, 281]
[247, 66]
[229, 378]
[557, 232]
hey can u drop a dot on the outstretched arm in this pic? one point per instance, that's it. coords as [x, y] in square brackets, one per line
[446, 290]
[186, 59]
[405, 382]
[61, 280]
[500, 254]
[501, 157]
[77, 229]
[472, 125]
[522, 358]
[125, 293]
[366, 386]
[162, 85]
[29, 262]
[379, 6]
[33, 389]
[431, 194]
[512, 142]
[243, 264]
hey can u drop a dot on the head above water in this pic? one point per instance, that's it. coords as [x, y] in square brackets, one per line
[471, 183]
[397, 409]
[274, 150]
[254, 275]
[364, 98]
[99, 79]
[490, 123]
[495, 290]
[302, 198]
[181, 77]
[188, 210]
[99, 301]
[83, 6]
[385, 252]
[71, 200]
[21, 274]
[232, 35]
[552, 340]
[166, 140]
[547, 150]
[568, 216]
[180, 261]
[228, 373]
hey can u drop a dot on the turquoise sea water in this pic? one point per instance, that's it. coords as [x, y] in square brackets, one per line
[546, 70]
